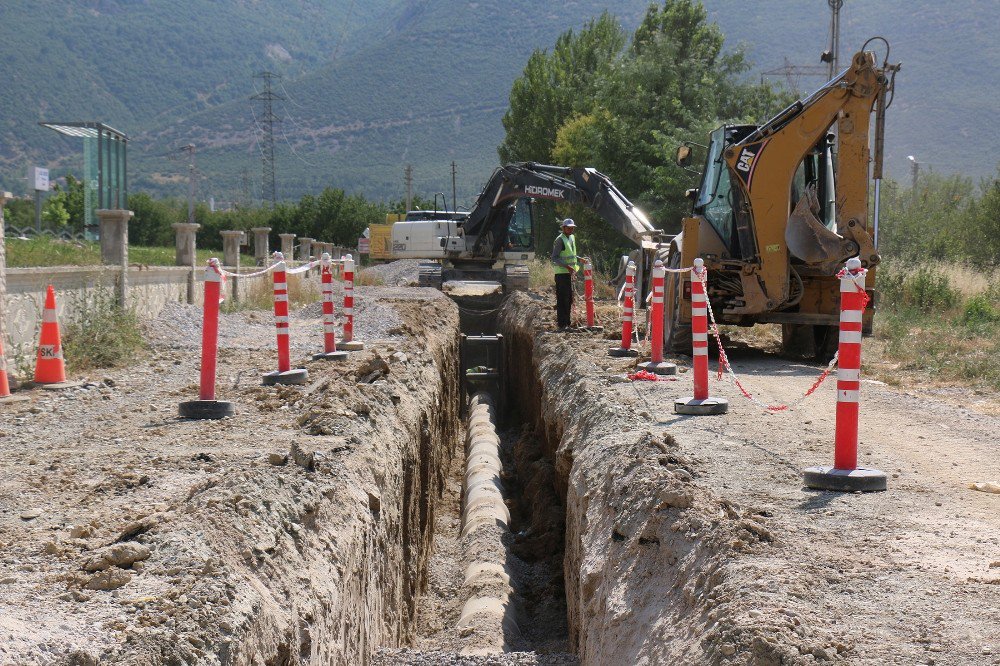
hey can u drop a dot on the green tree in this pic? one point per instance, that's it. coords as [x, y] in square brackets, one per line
[556, 86]
[54, 213]
[625, 110]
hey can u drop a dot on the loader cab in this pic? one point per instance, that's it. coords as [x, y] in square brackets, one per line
[715, 198]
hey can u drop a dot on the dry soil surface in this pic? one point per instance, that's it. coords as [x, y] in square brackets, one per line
[715, 552]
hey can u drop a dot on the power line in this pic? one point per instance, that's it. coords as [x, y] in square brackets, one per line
[268, 118]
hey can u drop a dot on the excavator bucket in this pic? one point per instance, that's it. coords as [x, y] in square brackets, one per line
[808, 239]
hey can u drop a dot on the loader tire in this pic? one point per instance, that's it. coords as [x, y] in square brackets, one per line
[818, 343]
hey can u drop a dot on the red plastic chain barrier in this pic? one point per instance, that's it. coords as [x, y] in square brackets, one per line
[329, 320]
[853, 300]
[349, 298]
[588, 291]
[724, 366]
[281, 312]
[210, 329]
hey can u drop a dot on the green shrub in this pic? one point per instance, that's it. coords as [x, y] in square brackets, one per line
[103, 335]
[928, 290]
[980, 310]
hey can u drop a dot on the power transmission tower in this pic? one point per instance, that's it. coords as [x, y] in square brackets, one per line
[454, 190]
[267, 121]
[408, 175]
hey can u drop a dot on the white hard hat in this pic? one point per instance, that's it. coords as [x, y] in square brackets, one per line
[568, 222]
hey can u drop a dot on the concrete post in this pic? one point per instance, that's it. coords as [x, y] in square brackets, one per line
[114, 246]
[231, 247]
[305, 248]
[287, 244]
[261, 245]
[186, 232]
[231, 241]
[3, 273]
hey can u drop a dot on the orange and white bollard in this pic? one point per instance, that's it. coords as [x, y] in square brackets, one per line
[330, 352]
[284, 374]
[588, 296]
[845, 475]
[656, 364]
[349, 343]
[701, 403]
[625, 349]
[206, 406]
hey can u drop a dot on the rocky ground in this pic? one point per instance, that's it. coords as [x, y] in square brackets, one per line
[128, 535]
[300, 530]
[693, 540]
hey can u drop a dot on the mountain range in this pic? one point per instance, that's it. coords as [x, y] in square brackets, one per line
[368, 87]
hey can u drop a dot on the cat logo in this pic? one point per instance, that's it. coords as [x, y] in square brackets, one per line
[746, 164]
[746, 160]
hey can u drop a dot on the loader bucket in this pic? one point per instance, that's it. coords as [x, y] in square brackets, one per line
[808, 239]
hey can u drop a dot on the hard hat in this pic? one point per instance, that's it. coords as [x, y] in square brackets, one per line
[568, 222]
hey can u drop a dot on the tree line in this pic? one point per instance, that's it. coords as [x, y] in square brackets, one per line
[623, 104]
[332, 216]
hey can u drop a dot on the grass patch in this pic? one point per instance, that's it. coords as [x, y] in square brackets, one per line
[46, 251]
[258, 294]
[102, 335]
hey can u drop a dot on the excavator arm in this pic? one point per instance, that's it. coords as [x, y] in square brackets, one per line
[763, 168]
[486, 227]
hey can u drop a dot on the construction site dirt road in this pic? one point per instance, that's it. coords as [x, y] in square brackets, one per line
[319, 525]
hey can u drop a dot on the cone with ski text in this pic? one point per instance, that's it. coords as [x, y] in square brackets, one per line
[49, 366]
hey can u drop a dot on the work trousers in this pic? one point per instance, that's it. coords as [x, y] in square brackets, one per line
[564, 299]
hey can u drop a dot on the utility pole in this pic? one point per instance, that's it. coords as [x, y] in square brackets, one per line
[246, 192]
[832, 56]
[914, 176]
[408, 175]
[189, 149]
[267, 122]
[454, 189]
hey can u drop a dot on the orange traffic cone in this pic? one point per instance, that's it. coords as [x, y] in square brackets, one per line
[49, 366]
[4, 384]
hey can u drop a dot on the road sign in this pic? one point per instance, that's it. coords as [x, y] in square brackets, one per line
[363, 245]
[40, 177]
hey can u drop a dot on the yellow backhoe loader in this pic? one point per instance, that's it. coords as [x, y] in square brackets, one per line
[781, 207]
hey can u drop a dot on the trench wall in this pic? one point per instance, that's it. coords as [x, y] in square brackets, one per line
[324, 549]
[648, 552]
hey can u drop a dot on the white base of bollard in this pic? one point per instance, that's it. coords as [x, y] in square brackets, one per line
[330, 356]
[293, 376]
[661, 368]
[621, 352]
[707, 407]
[353, 345]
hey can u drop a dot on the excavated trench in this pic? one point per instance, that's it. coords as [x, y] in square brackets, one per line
[495, 575]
